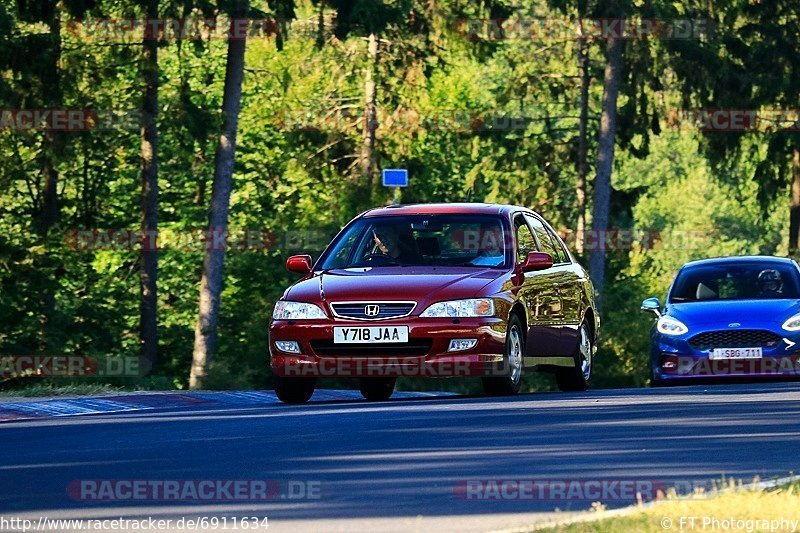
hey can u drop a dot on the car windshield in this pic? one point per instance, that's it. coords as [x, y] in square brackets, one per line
[420, 240]
[736, 281]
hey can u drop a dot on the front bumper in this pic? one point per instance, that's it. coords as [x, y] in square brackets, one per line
[674, 359]
[425, 355]
[688, 367]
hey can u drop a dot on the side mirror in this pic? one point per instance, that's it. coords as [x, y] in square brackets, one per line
[652, 304]
[300, 264]
[537, 261]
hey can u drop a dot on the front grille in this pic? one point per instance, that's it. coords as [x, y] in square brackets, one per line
[734, 338]
[415, 347]
[385, 310]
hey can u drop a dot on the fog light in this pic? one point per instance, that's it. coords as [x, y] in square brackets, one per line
[459, 345]
[288, 346]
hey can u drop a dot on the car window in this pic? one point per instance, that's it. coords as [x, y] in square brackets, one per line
[340, 255]
[736, 281]
[561, 248]
[525, 240]
[419, 240]
[545, 242]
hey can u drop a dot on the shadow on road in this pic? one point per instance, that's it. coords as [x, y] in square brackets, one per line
[408, 457]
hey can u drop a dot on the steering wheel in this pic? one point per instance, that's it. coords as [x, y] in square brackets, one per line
[379, 258]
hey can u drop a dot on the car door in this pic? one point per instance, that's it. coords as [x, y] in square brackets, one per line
[570, 281]
[561, 277]
[573, 290]
[539, 295]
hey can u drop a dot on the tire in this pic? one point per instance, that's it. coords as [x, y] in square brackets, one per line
[377, 389]
[512, 363]
[294, 390]
[578, 377]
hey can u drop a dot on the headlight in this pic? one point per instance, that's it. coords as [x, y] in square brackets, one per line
[460, 308]
[670, 326]
[793, 324]
[296, 311]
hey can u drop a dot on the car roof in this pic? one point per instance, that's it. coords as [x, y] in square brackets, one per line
[463, 208]
[740, 259]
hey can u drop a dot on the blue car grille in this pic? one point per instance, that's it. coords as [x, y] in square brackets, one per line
[741, 338]
[359, 310]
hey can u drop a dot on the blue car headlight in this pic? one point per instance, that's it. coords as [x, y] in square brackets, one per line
[793, 324]
[671, 326]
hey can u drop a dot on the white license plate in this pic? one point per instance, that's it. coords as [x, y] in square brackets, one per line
[370, 334]
[737, 353]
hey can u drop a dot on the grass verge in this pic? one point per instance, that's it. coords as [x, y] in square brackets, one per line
[734, 509]
[30, 387]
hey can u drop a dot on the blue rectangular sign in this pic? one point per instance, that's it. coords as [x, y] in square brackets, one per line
[395, 177]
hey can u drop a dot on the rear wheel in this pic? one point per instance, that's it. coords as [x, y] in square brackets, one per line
[294, 390]
[577, 378]
[511, 382]
[377, 389]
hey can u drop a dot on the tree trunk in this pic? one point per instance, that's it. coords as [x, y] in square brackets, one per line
[205, 334]
[794, 208]
[580, 186]
[605, 163]
[52, 151]
[320, 41]
[51, 211]
[148, 271]
[52, 142]
[368, 161]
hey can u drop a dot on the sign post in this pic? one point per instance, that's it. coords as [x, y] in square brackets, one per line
[395, 177]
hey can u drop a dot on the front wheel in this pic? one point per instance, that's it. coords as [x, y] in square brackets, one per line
[377, 389]
[511, 382]
[294, 390]
[577, 378]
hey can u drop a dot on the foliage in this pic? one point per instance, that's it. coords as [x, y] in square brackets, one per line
[729, 505]
[496, 117]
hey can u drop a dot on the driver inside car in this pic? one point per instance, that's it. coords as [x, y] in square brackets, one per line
[385, 240]
[394, 243]
[770, 283]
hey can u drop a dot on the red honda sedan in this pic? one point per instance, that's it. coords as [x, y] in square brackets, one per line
[438, 290]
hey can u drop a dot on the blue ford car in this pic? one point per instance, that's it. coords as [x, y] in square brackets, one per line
[729, 317]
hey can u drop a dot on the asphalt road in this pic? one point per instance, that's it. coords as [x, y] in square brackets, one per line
[401, 465]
